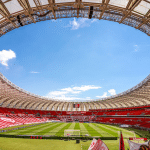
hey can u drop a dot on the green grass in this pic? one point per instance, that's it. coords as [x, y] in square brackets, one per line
[57, 129]
[61, 132]
[37, 144]
[139, 133]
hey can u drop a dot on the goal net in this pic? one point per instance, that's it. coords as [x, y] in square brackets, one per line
[71, 132]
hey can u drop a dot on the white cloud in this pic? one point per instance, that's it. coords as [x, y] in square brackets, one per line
[70, 92]
[34, 72]
[112, 91]
[103, 96]
[75, 25]
[80, 23]
[88, 98]
[94, 20]
[86, 87]
[56, 93]
[5, 56]
[136, 48]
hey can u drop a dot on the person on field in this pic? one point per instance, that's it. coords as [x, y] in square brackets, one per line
[143, 147]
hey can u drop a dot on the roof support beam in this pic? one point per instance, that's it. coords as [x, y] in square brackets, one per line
[130, 6]
[144, 22]
[27, 8]
[41, 105]
[78, 5]
[95, 104]
[66, 107]
[78, 2]
[52, 7]
[142, 98]
[38, 4]
[61, 106]
[2, 32]
[81, 107]
[6, 14]
[86, 107]
[104, 8]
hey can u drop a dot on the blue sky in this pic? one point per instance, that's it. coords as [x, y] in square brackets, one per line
[75, 59]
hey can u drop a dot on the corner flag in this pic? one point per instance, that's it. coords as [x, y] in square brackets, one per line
[121, 145]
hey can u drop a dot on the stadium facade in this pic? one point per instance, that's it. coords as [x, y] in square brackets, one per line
[13, 96]
[131, 107]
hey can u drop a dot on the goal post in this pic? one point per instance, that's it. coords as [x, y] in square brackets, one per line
[71, 132]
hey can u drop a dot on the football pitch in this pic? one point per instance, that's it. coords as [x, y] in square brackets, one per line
[57, 129]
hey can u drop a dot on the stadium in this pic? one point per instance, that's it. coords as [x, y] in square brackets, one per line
[29, 121]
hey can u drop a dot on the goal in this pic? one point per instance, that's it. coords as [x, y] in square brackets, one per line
[71, 132]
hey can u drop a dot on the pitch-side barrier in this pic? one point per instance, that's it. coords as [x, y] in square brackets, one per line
[56, 137]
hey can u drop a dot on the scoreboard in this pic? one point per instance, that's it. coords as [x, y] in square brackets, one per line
[76, 105]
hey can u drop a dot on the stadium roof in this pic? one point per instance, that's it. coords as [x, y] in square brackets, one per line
[13, 96]
[17, 13]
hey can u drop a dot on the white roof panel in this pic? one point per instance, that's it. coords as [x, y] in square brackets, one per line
[13, 6]
[64, 1]
[120, 3]
[32, 4]
[4, 1]
[44, 2]
[142, 8]
[92, 1]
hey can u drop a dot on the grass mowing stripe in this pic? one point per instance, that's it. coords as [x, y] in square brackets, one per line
[31, 130]
[72, 126]
[107, 126]
[25, 129]
[34, 131]
[92, 131]
[107, 130]
[125, 132]
[48, 129]
[77, 127]
[61, 132]
[83, 130]
[101, 131]
[21, 129]
[57, 129]
[111, 127]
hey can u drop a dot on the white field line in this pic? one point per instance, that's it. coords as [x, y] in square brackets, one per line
[39, 130]
[20, 131]
[72, 126]
[83, 129]
[102, 132]
[57, 129]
